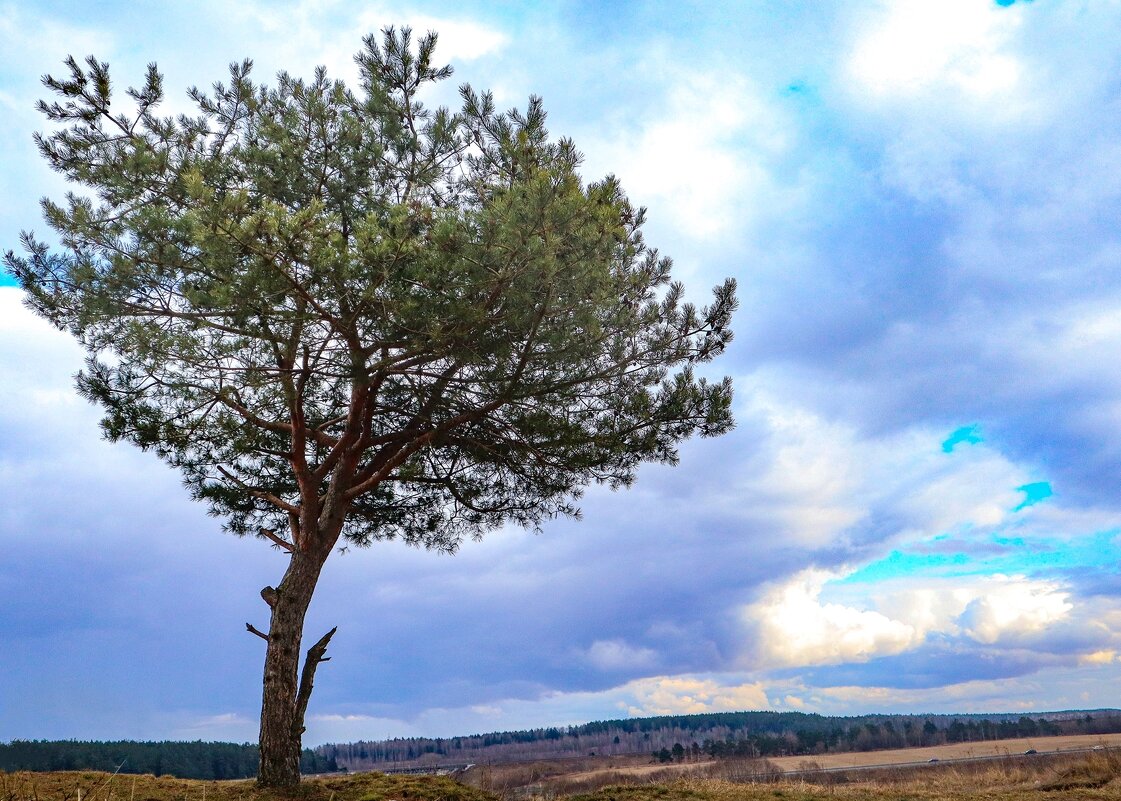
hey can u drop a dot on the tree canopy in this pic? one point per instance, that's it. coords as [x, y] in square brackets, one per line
[304, 284]
[347, 317]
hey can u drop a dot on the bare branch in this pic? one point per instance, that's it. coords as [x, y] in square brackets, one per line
[315, 655]
[283, 543]
[254, 630]
[269, 595]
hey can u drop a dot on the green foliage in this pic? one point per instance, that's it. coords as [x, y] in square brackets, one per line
[185, 760]
[339, 309]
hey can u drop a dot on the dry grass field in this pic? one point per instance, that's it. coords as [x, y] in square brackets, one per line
[955, 751]
[596, 771]
[1048, 776]
[95, 786]
[1061, 770]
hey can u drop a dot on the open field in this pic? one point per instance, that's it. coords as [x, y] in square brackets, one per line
[591, 770]
[988, 748]
[1068, 777]
[96, 786]
[999, 766]
[1062, 771]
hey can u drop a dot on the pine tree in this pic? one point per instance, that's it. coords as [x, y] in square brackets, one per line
[346, 317]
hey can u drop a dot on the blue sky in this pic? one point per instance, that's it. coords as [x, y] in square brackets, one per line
[918, 509]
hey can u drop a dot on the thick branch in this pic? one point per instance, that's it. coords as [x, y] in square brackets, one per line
[283, 543]
[257, 493]
[315, 655]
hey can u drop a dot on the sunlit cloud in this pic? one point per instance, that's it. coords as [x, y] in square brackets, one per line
[915, 45]
[793, 626]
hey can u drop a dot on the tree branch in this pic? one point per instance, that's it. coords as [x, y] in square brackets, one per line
[283, 543]
[254, 630]
[315, 655]
[256, 493]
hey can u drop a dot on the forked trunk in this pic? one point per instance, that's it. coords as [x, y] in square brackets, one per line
[285, 694]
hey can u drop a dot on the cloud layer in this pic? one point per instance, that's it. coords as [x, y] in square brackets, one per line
[917, 510]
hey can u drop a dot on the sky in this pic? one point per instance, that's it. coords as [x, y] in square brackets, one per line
[917, 511]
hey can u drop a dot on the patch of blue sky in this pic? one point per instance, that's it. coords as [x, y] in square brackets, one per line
[967, 435]
[1033, 493]
[901, 563]
[801, 89]
[6, 279]
[1012, 555]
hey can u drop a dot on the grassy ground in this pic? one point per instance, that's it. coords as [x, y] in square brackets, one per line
[1046, 778]
[1090, 777]
[93, 786]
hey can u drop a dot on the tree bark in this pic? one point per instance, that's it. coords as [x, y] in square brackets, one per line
[282, 707]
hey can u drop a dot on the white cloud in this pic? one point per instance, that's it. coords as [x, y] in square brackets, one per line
[1012, 608]
[617, 655]
[343, 727]
[1051, 688]
[309, 33]
[224, 726]
[36, 365]
[31, 39]
[917, 45]
[701, 161]
[822, 480]
[686, 695]
[793, 626]
[1105, 656]
[458, 39]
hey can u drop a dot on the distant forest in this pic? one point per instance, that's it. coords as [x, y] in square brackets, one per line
[718, 735]
[678, 738]
[193, 760]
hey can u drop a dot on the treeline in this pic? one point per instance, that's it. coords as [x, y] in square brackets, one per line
[184, 760]
[718, 735]
[887, 734]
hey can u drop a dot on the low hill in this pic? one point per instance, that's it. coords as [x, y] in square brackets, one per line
[722, 734]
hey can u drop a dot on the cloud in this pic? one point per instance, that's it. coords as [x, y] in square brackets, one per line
[1013, 609]
[828, 484]
[30, 37]
[342, 728]
[1104, 657]
[920, 203]
[301, 35]
[915, 45]
[699, 155]
[613, 655]
[459, 39]
[791, 626]
[683, 695]
[223, 727]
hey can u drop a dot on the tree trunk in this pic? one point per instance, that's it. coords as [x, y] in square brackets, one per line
[284, 697]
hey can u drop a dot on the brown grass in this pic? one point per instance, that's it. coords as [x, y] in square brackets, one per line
[1044, 777]
[1064, 777]
[1093, 777]
[955, 751]
[94, 786]
[553, 777]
